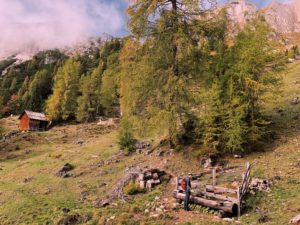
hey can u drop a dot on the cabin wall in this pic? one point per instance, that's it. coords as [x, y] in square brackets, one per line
[34, 125]
[24, 123]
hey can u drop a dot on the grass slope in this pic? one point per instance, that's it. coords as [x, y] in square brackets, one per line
[47, 198]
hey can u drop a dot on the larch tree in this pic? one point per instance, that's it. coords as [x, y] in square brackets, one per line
[251, 70]
[62, 104]
[164, 58]
[89, 100]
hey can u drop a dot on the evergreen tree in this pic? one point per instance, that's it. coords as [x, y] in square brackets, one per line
[62, 104]
[110, 83]
[251, 70]
[89, 101]
[160, 69]
[39, 89]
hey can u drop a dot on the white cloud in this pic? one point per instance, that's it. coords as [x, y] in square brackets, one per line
[47, 24]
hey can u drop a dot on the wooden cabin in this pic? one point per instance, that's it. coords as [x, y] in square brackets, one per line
[33, 121]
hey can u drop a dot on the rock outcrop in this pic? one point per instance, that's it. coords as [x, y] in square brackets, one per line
[283, 18]
[240, 11]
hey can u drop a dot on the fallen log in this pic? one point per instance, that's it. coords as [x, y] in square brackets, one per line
[225, 206]
[218, 189]
[215, 196]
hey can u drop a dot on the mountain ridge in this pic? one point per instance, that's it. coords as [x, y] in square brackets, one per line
[282, 17]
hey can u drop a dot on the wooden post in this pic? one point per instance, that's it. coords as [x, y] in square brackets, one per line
[239, 203]
[214, 176]
[177, 180]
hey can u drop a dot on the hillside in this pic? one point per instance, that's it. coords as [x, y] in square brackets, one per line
[31, 193]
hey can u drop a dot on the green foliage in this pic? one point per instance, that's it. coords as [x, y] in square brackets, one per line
[28, 85]
[110, 83]
[233, 121]
[62, 104]
[89, 101]
[185, 80]
[133, 188]
[158, 73]
[126, 139]
[6, 63]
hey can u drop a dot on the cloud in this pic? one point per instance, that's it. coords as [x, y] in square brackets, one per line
[45, 24]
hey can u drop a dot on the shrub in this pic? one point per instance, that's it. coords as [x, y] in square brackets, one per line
[126, 138]
[133, 188]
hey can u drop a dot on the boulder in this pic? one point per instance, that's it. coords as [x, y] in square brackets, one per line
[63, 172]
[260, 185]
[71, 220]
[27, 179]
[295, 220]
[101, 203]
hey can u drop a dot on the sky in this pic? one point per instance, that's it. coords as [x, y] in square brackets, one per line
[48, 24]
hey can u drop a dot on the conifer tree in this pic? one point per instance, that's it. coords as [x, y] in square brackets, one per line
[235, 121]
[164, 64]
[62, 104]
[110, 83]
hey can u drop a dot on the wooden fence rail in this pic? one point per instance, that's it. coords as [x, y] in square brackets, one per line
[207, 191]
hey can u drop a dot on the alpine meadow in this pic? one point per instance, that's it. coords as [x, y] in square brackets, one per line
[188, 114]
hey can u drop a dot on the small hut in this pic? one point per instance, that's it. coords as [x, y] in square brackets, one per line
[33, 121]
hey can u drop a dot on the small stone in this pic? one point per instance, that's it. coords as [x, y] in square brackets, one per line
[158, 210]
[27, 179]
[295, 101]
[264, 219]
[154, 216]
[101, 203]
[66, 210]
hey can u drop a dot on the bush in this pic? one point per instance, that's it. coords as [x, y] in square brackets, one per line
[126, 139]
[133, 188]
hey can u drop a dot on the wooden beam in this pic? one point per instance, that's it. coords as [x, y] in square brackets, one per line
[218, 189]
[215, 196]
[226, 206]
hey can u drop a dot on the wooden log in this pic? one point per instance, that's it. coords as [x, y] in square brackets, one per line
[239, 203]
[219, 170]
[226, 206]
[196, 185]
[218, 189]
[214, 175]
[215, 196]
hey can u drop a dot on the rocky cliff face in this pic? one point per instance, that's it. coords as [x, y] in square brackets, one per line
[283, 18]
[240, 11]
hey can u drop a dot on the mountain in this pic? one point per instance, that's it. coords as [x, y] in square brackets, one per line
[240, 11]
[283, 18]
[82, 47]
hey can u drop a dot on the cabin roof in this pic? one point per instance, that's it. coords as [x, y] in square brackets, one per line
[34, 115]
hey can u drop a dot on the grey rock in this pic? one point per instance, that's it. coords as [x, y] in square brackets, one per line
[295, 220]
